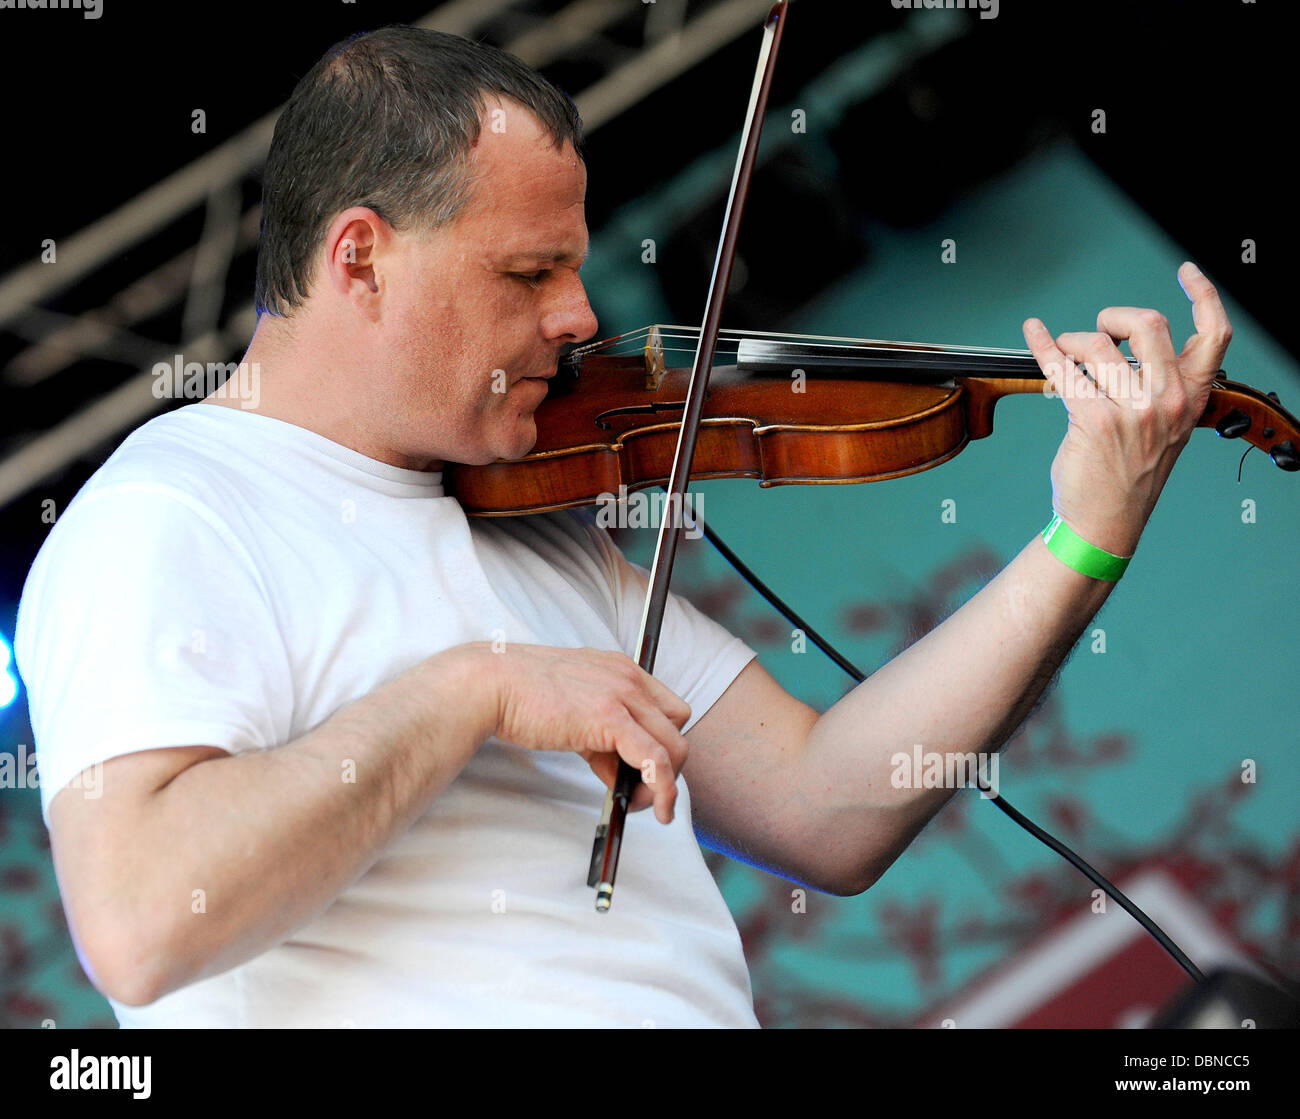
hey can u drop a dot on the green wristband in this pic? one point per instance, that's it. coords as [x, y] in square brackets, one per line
[1074, 551]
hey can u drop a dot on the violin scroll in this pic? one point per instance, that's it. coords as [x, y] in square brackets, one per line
[1237, 411]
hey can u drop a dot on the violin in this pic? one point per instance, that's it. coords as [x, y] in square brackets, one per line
[791, 410]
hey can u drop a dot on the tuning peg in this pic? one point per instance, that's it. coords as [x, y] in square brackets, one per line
[1234, 424]
[1285, 455]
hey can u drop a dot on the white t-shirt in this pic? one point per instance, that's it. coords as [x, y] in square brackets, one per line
[232, 580]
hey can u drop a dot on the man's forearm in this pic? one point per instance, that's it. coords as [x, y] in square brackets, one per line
[272, 837]
[963, 688]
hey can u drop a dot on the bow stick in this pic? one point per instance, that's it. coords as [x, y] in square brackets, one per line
[609, 834]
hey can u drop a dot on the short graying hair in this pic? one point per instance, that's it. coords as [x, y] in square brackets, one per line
[385, 120]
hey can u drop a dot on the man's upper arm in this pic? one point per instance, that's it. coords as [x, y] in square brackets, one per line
[144, 625]
[100, 845]
[747, 798]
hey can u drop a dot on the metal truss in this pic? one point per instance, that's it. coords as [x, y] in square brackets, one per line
[196, 279]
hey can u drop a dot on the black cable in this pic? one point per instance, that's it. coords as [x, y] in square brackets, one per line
[781, 607]
[1033, 829]
[1061, 849]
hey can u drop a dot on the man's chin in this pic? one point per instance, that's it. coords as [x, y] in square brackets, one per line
[524, 441]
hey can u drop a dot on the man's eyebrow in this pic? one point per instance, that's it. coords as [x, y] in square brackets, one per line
[553, 255]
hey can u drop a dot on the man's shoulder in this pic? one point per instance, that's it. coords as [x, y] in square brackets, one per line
[177, 454]
[165, 483]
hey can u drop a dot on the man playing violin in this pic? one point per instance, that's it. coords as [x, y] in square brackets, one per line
[351, 744]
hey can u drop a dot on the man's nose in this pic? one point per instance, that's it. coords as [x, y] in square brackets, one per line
[572, 320]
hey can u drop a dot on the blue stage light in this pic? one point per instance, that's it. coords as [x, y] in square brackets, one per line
[8, 683]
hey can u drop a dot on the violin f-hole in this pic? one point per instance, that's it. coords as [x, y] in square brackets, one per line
[639, 410]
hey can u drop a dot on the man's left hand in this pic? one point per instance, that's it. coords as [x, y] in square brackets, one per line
[1127, 427]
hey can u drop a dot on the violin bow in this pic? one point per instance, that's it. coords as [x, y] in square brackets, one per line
[609, 834]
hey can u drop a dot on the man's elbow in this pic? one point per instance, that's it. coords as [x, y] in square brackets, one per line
[126, 966]
[850, 884]
[129, 992]
[853, 875]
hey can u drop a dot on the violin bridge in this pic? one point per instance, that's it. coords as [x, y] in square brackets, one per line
[654, 359]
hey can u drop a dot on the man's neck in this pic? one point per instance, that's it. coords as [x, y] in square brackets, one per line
[288, 381]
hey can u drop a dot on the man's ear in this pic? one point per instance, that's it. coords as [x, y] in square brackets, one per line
[354, 246]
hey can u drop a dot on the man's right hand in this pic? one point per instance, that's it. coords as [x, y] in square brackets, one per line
[601, 705]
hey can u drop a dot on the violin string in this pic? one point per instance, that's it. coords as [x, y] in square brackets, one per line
[636, 338]
[886, 357]
[731, 341]
[677, 331]
[732, 347]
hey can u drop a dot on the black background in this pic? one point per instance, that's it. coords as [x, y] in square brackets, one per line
[1198, 95]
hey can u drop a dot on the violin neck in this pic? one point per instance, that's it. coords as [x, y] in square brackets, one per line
[1000, 372]
[900, 362]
